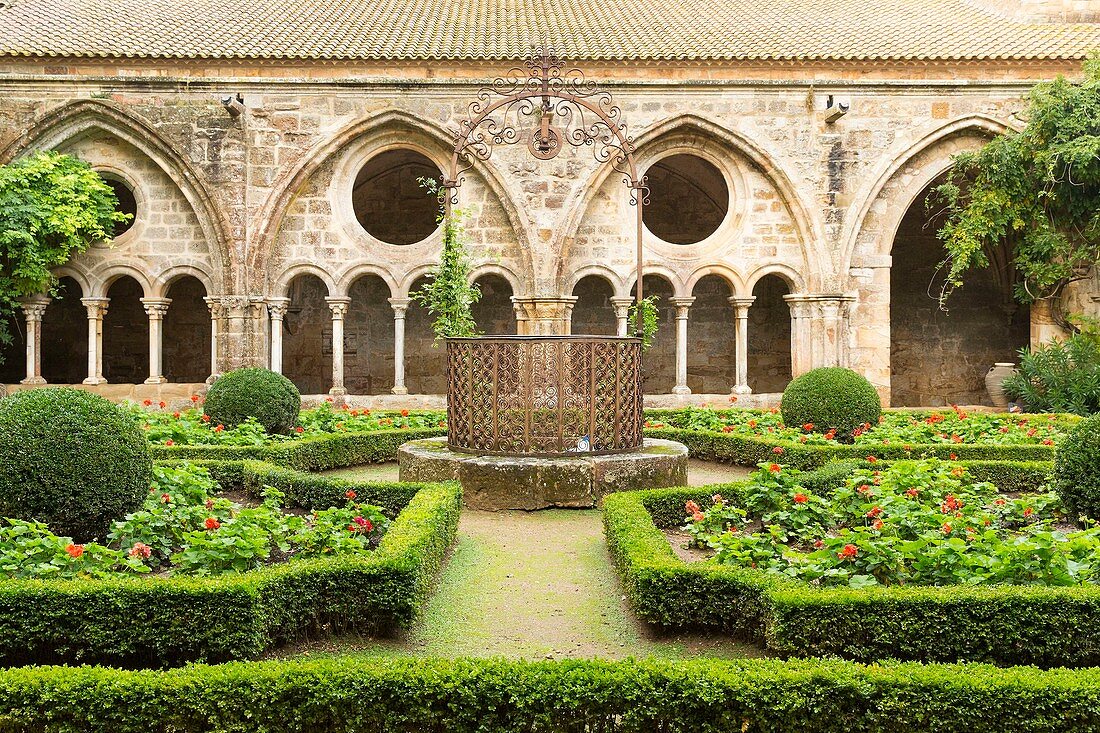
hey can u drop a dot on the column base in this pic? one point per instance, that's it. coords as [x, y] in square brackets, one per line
[400, 390]
[741, 389]
[32, 380]
[338, 391]
[211, 378]
[681, 390]
[94, 380]
[156, 380]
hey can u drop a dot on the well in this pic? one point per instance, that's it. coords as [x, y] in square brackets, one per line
[544, 395]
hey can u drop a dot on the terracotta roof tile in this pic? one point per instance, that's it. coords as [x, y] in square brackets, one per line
[505, 29]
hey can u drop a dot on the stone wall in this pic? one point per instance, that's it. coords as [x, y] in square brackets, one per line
[245, 205]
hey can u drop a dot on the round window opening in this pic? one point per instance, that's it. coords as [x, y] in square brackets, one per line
[688, 199]
[127, 204]
[388, 200]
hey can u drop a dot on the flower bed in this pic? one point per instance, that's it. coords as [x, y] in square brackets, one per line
[1022, 624]
[155, 621]
[494, 696]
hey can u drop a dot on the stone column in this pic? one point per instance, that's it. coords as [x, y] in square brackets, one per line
[1044, 329]
[34, 308]
[400, 306]
[339, 308]
[156, 308]
[741, 343]
[543, 316]
[801, 347]
[218, 313]
[276, 309]
[97, 310]
[622, 304]
[682, 306]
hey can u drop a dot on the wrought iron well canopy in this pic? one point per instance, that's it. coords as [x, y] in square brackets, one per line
[526, 395]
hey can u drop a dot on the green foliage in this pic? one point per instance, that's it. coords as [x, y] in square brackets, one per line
[269, 398]
[358, 693]
[71, 460]
[169, 620]
[448, 294]
[1034, 192]
[831, 399]
[52, 207]
[1003, 624]
[650, 321]
[1063, 376]
[1077, 470]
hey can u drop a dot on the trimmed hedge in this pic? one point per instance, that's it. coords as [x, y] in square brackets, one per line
[831, 398]
[497, 696]
[72, 460]
[319, 453]
[1005, 624]
[749, 450]
[1077, 470]
[267, 396]
[167, 621]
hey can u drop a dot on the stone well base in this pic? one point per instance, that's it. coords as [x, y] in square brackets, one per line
[497, 482]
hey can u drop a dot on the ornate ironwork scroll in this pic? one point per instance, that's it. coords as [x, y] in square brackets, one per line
[544, 395]
[547, 107]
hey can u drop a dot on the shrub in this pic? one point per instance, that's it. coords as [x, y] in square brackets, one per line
[270, 398]
[70, 459]
[831, 399]
[1060, 377]
[1077, 470]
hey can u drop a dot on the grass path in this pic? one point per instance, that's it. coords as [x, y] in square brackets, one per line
[533, 585]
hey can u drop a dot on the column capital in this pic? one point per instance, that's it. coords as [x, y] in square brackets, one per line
[338, 306]
[217, 306]
[682, 305]
[156, 307]
[623, 301]
[399, 305]
[739, 302]
[34, 306]
[277, 307]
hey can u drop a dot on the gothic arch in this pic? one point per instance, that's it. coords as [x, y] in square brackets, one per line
[262, 245]
[871, 231]
[689, 127]
[74, 120]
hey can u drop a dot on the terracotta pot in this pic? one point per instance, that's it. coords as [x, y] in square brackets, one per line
[994, 381]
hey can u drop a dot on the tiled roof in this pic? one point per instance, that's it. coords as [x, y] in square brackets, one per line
[505, 29]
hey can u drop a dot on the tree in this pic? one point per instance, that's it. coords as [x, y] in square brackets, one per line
[1035, 192]
[448, 293]
[52, 207]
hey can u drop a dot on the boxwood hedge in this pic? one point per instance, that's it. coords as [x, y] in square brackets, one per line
[1005, 624]
[166, 621]
[497, 696]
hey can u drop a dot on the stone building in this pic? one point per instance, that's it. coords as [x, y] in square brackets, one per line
[270, 154]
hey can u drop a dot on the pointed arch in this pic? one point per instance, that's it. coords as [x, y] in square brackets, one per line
[263, 243]
[875, 194]
[76, 119]
[809, 230]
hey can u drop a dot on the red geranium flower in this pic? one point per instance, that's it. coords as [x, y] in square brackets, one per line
[169, 442]
[777, 450]
[808, 427]
[74, 551]
[141, 550]
[212, 523]
[404, 413]
[194, 398]
[875, 511]
[350, 494]
[877, 525]
[166, 498]
[1028, 512]
[206, 418]
[219, 428]
[162, 404]
[800, 498]
[775, 468]
[299, 429]
[946, 528]
[176, 414]
[848, 552]
[691, 507]
[146, 403]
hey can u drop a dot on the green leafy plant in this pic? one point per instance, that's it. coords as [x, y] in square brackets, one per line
[261, 394]
[70, 459]
[1032, 192]
[52, 207]
[1063, 376]
[650, 320]
[448, 295]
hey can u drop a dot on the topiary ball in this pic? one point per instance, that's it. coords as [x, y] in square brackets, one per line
[831, 398]
[1077, 470]
[70, 459]
[270, 398]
